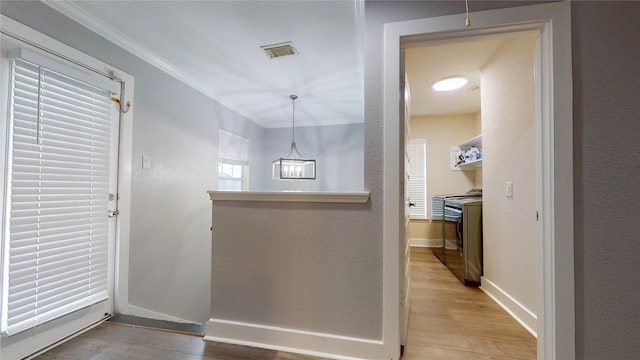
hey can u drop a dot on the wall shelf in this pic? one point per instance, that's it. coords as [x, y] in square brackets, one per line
[469, 165]
[475, 141]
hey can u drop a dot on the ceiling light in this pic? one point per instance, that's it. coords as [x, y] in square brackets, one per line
[293, 166]
[450, 83]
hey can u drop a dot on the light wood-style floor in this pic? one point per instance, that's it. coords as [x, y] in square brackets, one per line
[450, 321]
[447, 321]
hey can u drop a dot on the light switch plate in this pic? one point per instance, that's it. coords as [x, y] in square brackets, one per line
[509, 189]
[146, 162]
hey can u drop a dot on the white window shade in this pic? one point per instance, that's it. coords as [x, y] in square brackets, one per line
[233, 164]
[58, 197]
[417, 178]
[233, 147]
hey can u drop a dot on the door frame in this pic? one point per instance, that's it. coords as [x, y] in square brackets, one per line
[39, 41]
[554, 161]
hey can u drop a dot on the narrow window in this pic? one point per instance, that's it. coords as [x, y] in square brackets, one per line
[233, 162]
[417, 178]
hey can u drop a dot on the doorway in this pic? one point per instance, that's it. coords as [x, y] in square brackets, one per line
[67, 162]
[493, 111]
[554, 184]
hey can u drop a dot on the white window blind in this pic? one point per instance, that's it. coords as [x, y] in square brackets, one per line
[417, 178]
[234, 161]
[233, 147]
[58, 197]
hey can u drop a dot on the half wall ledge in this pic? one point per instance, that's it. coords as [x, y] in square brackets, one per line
[359, 197]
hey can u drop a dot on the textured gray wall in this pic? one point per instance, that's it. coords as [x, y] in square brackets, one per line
[303, 266]
[606, 47]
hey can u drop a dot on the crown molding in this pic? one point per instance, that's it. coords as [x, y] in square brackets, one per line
[86, 19]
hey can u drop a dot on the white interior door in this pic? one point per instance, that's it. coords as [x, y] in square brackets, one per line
[60, 166]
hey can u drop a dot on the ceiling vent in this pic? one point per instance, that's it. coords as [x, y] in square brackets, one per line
[279, 50]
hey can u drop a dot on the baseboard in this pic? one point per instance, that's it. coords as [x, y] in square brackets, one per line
[150, 314]
[295, 341]
[522, 315]
[419, 242]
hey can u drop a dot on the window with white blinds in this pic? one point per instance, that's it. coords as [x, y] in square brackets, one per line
[56, 259]
[233, 163]
[417, 151]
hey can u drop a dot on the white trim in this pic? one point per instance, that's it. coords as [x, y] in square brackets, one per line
[291, 340]
[519, 312]
[21, 346]
[552, 21]
[70, 337]
[291, 196]
[43, 42]
[39, 40]
[121, 291]
[86, 19]
[421, 242]
[150, 314]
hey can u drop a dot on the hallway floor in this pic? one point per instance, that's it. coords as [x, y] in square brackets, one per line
[450, 321]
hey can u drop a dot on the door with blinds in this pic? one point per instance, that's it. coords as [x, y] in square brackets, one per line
[60, 198]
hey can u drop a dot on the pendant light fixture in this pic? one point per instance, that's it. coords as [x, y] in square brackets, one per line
[294, 166]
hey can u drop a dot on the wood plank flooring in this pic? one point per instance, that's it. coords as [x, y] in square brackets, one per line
[124, 342]
[447, 321]
[450, 321]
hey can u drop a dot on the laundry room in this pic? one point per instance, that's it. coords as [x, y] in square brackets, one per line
[478, 145]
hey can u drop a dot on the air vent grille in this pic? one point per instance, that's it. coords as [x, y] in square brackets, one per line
[279, 50]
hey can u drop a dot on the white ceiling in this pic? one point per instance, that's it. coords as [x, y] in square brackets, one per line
[426, 65]
[214, 46]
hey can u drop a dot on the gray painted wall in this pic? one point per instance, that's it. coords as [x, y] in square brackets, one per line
[606, 46]
[302, 266]
[338, 150]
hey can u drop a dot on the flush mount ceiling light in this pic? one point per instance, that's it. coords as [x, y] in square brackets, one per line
[293, 166]
[450, 83]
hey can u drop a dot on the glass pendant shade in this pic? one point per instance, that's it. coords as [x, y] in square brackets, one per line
[293, 166]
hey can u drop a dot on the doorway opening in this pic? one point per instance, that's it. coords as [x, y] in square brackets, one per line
[67, 154]
[553, 159]
[492, 118]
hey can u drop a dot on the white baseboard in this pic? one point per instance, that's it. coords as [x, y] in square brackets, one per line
[522, 315]
[295, 341]
[150, 314]
[418, 242]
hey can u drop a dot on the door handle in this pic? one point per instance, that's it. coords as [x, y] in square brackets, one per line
[113, 213]
[412, 204]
